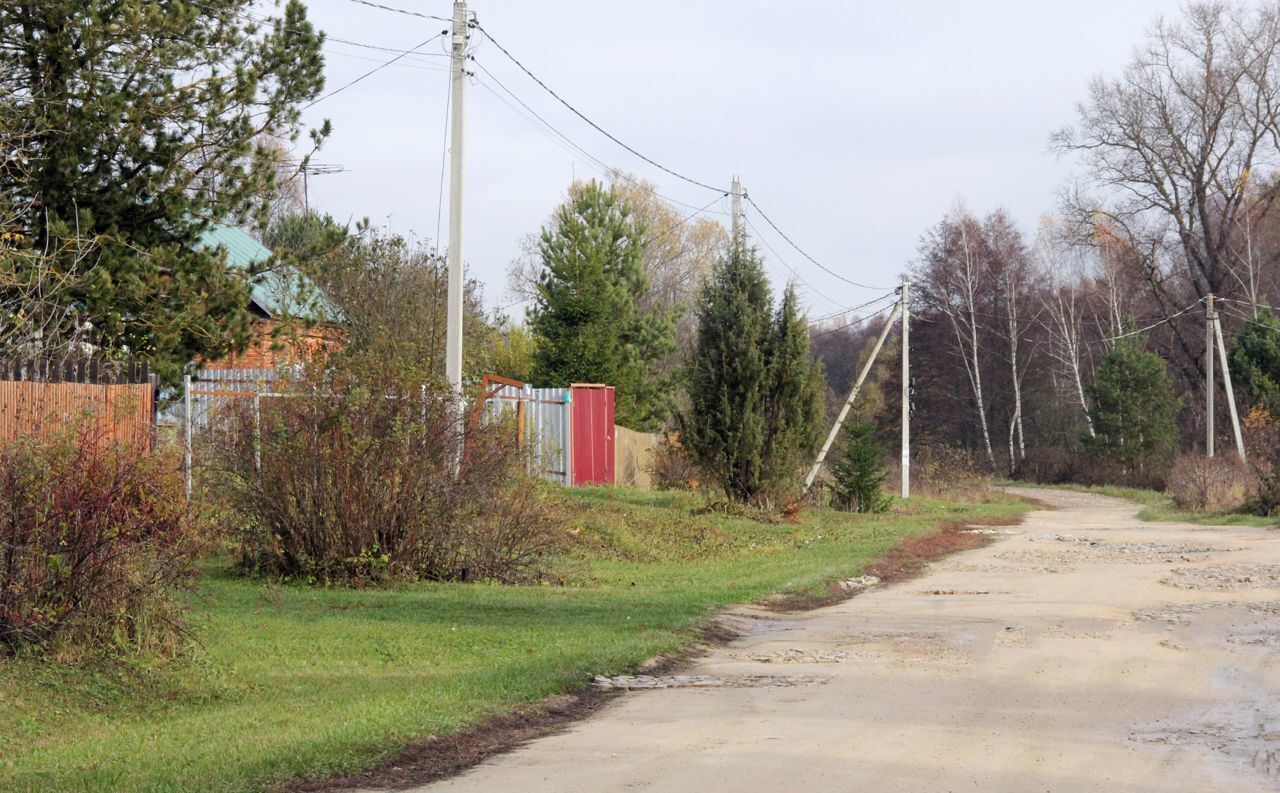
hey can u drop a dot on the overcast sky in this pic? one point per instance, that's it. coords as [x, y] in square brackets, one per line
[855, 125]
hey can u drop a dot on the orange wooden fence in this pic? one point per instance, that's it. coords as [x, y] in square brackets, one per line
[34, 403]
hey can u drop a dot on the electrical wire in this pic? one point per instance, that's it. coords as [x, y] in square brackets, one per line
[792, 243]
[593, 124]
[372, 71]
[567, 143]
[794, 272]
[444, 154]
[859, 321]
[404, 11]
[828, 317]
[1153, 325]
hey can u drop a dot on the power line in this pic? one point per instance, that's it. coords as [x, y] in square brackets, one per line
[827, 317]
[791, 242]
[568, 144]
[444, 154]
[404, 11]
[593, 124]
[858, 321]
[373, 71]
[794, 272]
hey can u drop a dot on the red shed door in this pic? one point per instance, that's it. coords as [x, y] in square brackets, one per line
[591, 414]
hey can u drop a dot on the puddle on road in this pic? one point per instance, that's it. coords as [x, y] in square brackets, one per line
[654, 682]
[1245, 732]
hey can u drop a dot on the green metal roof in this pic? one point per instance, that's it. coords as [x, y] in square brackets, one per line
[280, 291]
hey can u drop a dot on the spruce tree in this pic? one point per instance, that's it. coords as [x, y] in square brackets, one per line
[587, 320]
[857, 475]
[140, 124]
[753, 392]
[1135, 415]
[1255, 361]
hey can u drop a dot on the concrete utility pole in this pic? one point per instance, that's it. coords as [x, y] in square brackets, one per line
[906, 388]
[735, 194]
[853, 394]
[1226, 382]
[453, 325]
[1208, 376]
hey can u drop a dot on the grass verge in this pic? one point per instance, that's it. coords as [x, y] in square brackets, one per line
[294, 683]
[1159, 507]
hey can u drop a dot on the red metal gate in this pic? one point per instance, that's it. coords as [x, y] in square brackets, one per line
[591, 415]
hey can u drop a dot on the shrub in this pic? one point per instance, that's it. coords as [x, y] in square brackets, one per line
[857, 476]
[672, 467]
[347, 482]
[1210, 484]
[94, 540]
[1262, 441]
[949, 472]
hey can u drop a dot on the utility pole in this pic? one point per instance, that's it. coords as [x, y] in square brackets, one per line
[1209, 317]
[453, 325]
[1226, 382]
[735, 193]
[906, 388]
[853, 394]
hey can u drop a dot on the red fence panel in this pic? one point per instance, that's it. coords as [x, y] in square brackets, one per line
[591, 416]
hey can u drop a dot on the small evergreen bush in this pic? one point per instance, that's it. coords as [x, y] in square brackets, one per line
[857, 476]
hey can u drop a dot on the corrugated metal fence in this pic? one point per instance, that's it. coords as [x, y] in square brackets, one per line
[38, 398]
[544, 420]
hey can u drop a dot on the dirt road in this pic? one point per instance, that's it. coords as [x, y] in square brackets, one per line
[1083, 651]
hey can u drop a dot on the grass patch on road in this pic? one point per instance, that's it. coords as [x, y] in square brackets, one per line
[291, 682]
[1159, 507]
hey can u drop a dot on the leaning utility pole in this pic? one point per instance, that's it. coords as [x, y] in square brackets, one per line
[735, 193]
[453, 325]
[906, 388]
[1209, 318]
[1226, 382]
[853, 394]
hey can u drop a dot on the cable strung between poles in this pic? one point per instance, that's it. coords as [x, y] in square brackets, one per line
[593, 124]
[792, 243]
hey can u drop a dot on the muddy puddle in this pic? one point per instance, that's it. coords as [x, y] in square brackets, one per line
[1244, 732]
[657, 682]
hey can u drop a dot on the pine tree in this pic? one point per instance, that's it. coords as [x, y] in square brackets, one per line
[1255, 361]
[857, 475]
[1134, 414]
[753, 392]
[587, 321]
[140, 124]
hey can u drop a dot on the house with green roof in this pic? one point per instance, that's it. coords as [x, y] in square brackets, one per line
[281, 296]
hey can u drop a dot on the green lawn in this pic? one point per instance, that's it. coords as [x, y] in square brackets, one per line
[290, 682]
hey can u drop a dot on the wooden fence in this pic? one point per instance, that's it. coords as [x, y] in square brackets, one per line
[38, 398]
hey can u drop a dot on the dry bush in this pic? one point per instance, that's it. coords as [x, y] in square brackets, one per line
[1262, 442]
[949, 472]
[95, 539]
[347, 482]
[1210, 484]
[1052, 465]
[672, 467]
